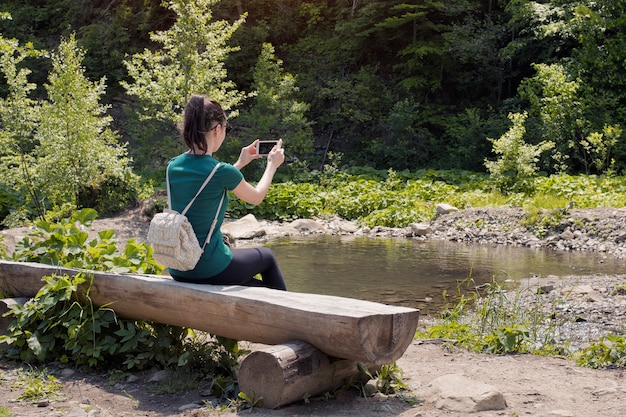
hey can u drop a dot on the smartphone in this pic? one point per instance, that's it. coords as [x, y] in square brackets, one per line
[263, 147]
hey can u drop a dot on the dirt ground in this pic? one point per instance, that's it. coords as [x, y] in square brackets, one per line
[531, 385]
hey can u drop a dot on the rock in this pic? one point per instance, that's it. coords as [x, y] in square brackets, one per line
[445, 209]
[77, 412]
[307, 226]
[458, 393]
[190, 406]
[245, 228]
[545, 289]
[159, 376]
[420, 229]
[132, 379]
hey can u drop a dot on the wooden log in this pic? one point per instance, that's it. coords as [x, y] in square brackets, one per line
[283, 374]
[340, 327]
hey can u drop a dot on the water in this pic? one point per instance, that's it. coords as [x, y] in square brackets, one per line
[416, 273]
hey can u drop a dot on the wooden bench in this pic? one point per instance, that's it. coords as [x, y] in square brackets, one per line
[317, 335]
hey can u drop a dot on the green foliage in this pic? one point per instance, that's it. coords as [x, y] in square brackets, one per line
[3, 249]
[389, 379]
[608, 351]
[397, 199]
[67, 244]
[517, 161]
[61, 323]
[36, 385]
[191, 61]
[19, 117]
[275, 111]
[92, 161]
[494, 321]
[507, 339]
[553, 96]
[542, 221]
[58, 154]
[596, 149]
[361, 67]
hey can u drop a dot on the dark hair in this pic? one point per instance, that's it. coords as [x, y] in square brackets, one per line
[201, 115]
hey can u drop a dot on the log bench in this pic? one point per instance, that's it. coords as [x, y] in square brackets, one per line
[320, 339]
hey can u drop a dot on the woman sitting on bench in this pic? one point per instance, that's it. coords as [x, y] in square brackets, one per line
[203, 130]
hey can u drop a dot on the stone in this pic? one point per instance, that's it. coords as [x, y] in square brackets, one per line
[190, 406]
[421, 229]
[445, 209]
[459, 393]
[159, 376]
[307, 225]
[247, 227]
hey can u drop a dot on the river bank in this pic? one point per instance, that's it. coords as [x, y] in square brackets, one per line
[535, 386]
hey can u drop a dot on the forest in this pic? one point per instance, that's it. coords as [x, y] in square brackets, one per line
[512, 88]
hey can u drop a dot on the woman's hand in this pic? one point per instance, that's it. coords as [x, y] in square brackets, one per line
[277, 155]
[256, 194]
[247, 155]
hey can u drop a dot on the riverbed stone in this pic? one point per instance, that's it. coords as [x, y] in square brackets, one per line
[445, 208]
[248, 227]
[307, 226]
[420, 229]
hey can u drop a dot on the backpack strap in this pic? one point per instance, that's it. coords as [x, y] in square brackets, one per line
[204, 184]
[217, 213]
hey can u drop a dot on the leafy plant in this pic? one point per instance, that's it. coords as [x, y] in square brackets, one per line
[517, 162]
[608, 351]
[250, 401]
[62, 323]
[3, 249]
[19, 117]
[543, 221]
[67, 243]
[389, 379]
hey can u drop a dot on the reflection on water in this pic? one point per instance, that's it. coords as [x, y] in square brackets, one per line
[416, 273]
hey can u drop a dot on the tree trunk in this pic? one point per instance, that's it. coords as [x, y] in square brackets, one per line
[286, 373]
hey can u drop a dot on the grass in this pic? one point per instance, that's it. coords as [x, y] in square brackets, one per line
[494, 320]
[35, 385]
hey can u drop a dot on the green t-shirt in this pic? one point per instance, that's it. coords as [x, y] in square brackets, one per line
[187, 172]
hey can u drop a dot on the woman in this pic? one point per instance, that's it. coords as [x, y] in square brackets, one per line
[203, 130]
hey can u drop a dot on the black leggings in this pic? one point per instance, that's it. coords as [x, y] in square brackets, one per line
[246, 264]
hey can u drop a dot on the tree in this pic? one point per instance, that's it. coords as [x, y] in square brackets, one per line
[79, 160]
[18, 118]
[191, 61]
[517, 160]
[275, 112]
[553, 98]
